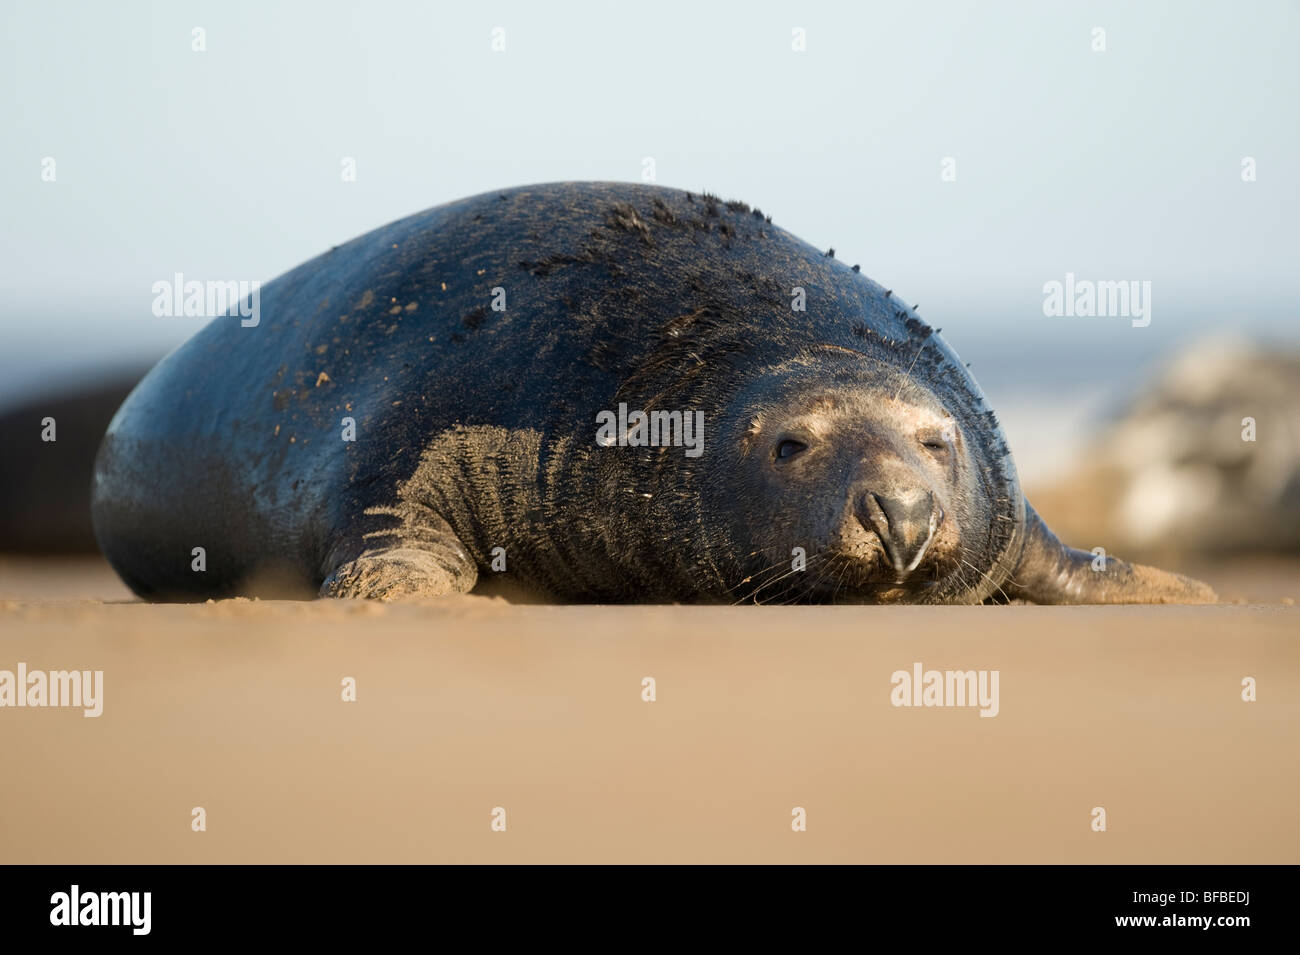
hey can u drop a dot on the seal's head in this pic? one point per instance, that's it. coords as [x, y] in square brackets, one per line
[865, 471]
[845, 455]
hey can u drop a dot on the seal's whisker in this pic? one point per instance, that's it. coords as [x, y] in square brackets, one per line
[986, 576]
[754, 596]
[782, 562]
[907, 375]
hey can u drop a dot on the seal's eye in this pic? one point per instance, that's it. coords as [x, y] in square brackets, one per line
[936, 444]
[788, 448]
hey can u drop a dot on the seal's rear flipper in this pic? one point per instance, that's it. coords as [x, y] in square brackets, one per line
[1051, 573]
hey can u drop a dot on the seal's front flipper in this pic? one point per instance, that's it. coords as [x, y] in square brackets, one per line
[422, 557]
[1051, 573]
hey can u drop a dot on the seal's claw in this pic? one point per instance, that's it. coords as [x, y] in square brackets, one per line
[395, 574]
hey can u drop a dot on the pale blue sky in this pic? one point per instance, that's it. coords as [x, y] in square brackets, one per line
[225, 164]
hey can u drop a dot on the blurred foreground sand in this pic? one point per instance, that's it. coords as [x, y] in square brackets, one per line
[474, 703]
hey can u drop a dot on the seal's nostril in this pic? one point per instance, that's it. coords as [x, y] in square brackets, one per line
[905, 524]
[881, 507]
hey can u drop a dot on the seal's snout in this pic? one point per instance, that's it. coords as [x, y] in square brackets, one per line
[905, 522]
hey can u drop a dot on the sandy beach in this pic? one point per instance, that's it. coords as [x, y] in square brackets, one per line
[475, 704]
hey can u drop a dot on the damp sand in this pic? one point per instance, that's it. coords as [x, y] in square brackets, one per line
[474, 704]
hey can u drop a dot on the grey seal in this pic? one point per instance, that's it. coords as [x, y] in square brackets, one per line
[602, 391]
